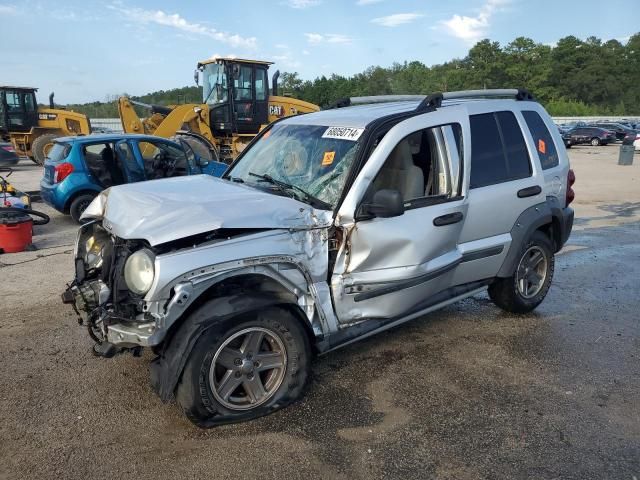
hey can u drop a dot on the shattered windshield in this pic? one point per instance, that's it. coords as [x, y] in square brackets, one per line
[312, 159]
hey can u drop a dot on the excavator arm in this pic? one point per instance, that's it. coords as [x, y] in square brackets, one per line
[165, 121]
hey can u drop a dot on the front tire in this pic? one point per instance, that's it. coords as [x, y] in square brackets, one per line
[528, 286]
[595, 141]
[245, 368]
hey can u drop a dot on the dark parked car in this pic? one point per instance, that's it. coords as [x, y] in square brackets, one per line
[620, 130]
[593, 135]
[8, 155]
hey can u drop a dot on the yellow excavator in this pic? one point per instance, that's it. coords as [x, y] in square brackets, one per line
[237, 104]
[32, 130]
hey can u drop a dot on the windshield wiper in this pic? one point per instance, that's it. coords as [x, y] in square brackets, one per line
[306, 196]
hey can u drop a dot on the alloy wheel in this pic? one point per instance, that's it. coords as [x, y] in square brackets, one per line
[532, 272]
[248, 368]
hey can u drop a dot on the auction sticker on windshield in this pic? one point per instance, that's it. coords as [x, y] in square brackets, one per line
[343, 133]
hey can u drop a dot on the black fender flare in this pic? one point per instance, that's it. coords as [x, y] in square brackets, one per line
[166, 369]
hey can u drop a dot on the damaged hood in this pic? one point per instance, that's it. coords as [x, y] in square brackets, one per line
[160, 211]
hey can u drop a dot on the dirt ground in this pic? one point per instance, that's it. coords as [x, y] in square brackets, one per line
[466, 392]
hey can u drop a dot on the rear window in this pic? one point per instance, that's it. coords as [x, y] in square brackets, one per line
[498, 150]
[59, 152]
[541, 139]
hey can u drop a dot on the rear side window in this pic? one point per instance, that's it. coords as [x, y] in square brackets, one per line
[542, 140]
[498, 150]
[59, 152]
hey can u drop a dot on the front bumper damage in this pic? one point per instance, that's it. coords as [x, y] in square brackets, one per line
[90, 300]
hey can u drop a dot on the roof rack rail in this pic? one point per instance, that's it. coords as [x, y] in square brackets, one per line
[434, 100]
[367, 100]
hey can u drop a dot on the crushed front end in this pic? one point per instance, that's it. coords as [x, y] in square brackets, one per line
[113, 312]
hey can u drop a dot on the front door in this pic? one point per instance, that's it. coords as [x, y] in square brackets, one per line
[394, 266]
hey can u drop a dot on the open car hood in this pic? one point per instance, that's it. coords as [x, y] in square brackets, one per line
[160, 211]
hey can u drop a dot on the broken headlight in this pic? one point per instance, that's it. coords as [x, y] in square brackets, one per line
[139, 271]
[94, 248]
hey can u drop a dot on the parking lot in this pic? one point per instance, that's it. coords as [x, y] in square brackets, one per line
[466, 392]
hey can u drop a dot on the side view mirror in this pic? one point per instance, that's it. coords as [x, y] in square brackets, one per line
[385, 204]
[196, 77]
[202, 162]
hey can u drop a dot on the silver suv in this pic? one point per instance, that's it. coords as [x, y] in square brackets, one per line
[329, 228]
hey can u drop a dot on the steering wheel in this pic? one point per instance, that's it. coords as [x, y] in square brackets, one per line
[163, 165]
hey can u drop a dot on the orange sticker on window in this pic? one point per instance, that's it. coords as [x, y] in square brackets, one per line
[542, 147]
[328, 158]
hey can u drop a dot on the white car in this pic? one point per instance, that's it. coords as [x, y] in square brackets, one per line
[636, 144]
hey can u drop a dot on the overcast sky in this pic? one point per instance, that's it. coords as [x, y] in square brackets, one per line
[85, 50]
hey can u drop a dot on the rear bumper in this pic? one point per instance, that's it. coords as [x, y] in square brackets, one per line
[566, 225]
[51, 196]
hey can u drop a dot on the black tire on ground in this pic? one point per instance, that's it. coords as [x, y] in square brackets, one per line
[225, 352]
[507, 293]
[79, 204]
[200, 147]
[595, 141]
[41, 146]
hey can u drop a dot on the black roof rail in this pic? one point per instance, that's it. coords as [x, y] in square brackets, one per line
[433, 101]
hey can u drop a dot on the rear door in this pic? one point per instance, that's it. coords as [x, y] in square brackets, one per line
[393, 266]
[504, 182]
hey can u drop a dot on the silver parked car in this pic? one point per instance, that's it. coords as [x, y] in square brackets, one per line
[330, 227]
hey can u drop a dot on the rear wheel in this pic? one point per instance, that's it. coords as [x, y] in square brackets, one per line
[245, 368]
[42, 146]
[529, 284]
[79, 205]
[595, 141]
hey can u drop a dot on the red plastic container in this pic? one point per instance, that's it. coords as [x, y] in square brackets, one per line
[16, 233]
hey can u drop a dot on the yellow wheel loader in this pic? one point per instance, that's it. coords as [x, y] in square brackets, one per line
[32, 130]
[236, 106]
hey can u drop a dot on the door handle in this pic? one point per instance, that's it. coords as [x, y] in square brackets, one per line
[448, 219]
[529, 191]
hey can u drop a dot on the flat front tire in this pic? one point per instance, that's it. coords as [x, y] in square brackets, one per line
[528, 286]
[245, 368]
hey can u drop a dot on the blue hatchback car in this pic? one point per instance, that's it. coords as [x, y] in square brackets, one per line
[78, 168]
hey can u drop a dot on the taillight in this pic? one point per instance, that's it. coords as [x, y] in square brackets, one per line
[571, 179]
[62, 171]
[8, 149]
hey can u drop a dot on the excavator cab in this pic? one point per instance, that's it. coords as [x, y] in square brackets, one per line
[237, 94]
[18, 109]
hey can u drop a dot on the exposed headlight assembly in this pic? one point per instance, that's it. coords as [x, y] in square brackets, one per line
[139, 271]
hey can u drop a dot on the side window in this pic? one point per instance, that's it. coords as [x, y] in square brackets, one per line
[261, 84]
[243, 83]
[423, 165]
[13, 101]
[542, 140]
[499, 152]
[29, 101]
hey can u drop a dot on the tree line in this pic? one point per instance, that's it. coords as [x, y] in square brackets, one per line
[571, 78]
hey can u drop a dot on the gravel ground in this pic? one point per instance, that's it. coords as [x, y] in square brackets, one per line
[466, 392]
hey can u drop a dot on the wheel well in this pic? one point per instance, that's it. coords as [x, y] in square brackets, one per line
[67, 205]
[553, 231]
[251, 284]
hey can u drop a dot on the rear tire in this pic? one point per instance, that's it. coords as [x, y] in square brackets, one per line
[226, 378]
[79, 204]
[41, 147]
[595, 141]
[528, 286]
[200, 147]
